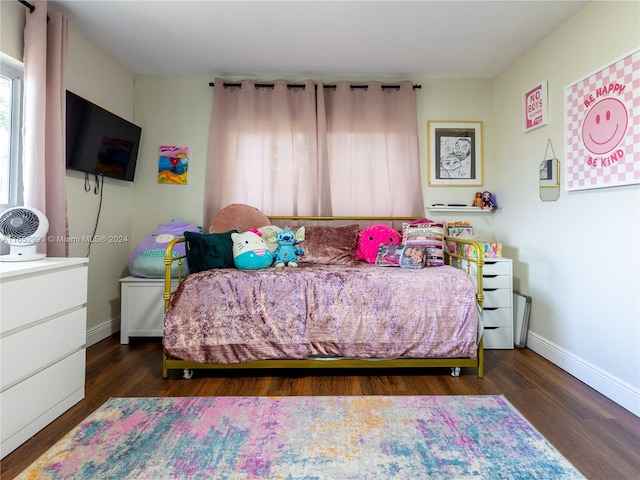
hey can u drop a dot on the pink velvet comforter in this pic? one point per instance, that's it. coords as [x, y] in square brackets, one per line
[363, 311]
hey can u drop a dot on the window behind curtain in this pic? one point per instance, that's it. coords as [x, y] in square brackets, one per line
[10, 133]
[306, 151]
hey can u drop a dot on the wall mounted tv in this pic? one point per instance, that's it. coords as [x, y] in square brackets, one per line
[99, 142]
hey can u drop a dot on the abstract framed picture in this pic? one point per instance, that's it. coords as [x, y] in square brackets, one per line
[454, 153]
[602, 126]
[534, 107]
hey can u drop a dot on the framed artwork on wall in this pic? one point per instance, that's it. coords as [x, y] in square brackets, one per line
[534, 107]
[454, 153]
[602, 126]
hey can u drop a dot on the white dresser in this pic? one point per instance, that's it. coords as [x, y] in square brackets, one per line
[141, 307]
[42, 344]
[497, 286]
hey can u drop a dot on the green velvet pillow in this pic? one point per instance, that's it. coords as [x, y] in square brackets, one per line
[209, 250]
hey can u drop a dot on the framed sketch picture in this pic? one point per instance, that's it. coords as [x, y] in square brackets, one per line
[455, 153]
[534, 107]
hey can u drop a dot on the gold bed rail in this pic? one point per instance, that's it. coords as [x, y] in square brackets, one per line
[169, 260]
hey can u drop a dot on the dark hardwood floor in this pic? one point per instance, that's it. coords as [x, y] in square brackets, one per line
[599, 437]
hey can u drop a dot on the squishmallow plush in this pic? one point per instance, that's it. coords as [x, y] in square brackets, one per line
[250, 251]
[147, 258]
[370, 238]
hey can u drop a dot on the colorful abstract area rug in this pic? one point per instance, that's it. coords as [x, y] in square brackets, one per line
[370, 437]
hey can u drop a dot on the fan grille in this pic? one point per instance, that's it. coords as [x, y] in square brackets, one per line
[19, 223]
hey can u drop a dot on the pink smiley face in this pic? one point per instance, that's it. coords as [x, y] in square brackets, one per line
[604, 126]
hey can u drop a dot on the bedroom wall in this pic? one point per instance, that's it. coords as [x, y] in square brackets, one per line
[578, 258]
[94, 75]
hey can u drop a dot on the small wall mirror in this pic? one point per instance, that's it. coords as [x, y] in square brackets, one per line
[550, 180]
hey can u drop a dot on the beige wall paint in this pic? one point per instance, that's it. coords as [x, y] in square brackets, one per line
[92, 74]
[577, 257]
[12, 18]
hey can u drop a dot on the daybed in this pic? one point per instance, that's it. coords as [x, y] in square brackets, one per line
[334, 314]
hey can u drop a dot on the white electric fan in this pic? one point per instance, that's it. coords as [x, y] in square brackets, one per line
[22, 228]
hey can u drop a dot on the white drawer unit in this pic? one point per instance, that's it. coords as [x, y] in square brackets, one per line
[43, 316]
[497, 286]
[141, 308]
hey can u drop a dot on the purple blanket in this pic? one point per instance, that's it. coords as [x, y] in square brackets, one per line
[360, 311]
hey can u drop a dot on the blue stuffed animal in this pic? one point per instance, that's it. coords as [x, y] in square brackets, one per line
[287, 252]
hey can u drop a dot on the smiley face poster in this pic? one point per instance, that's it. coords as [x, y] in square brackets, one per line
[602, 127]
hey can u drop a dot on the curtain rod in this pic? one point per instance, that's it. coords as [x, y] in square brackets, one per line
[28, 5]
[298, 85]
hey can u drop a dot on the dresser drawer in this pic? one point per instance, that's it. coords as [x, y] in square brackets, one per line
[496, 281]
[42, 295]
[28, 350]
[496, 317]
[500, 337]
[24, 404]
[492, 267]
[499, 297]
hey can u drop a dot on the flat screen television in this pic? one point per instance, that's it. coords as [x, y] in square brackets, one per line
[100, 142]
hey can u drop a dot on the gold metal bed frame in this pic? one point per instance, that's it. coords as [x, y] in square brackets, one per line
[454, 259]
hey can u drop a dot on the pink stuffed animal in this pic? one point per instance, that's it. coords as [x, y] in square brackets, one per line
[370, 238]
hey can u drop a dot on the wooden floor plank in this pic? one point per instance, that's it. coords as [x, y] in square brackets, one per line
[598, 436]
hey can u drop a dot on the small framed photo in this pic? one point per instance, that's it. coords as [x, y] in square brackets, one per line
[455, 153]
[534, 107]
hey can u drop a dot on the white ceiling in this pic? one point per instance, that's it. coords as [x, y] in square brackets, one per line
[411, 39]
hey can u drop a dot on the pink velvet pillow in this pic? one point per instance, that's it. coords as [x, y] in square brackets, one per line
[238, 216]
[329, 245]
[370, 238]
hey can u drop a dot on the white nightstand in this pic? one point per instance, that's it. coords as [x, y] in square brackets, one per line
[497, 286]
[141, 308]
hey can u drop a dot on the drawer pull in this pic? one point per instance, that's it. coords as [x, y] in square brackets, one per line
[490, 308]
[490, 289]
[489, 276]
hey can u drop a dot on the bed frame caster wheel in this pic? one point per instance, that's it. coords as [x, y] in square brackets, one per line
[187, 373]
[455, 371]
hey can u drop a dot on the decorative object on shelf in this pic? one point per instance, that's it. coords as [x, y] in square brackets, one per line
[477, 201]
[602, 118]
[549, 175]
[441, 207]
[455, 153]
[534, 107]
[489, 201]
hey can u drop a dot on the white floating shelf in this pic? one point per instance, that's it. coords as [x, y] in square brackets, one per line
[446, 208]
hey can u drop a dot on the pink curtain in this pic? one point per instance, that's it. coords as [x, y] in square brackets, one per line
[301, 150]
[372, 149]
[45, 47]
[263, 148]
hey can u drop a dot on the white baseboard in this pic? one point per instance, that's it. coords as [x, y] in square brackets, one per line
[102, 331]
[612, 387]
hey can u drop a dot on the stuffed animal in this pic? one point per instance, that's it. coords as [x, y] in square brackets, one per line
[250, 252]
[269, 234]
[287, 252]
[147, 257]
[370, 238]
[489, 201]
